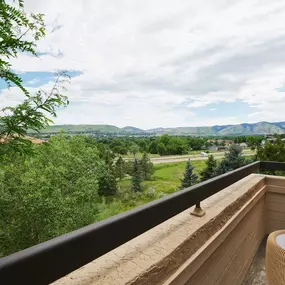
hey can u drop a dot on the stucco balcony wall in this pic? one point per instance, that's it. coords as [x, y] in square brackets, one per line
[217, 248]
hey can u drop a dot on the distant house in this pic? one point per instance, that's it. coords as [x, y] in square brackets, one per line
[33, 140]
[271, 140]
[223, 148]
[228, 142]
[221, 142]
[243, 145]
[213, 148]
[37, 141]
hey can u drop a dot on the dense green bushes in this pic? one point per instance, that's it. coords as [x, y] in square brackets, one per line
[60, 188]
[49, 193]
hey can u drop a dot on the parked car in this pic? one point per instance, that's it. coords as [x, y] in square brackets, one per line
[203, 154]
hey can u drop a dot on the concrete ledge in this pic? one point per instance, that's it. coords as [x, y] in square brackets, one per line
[161, 255]
[235, 242]
[275, 203]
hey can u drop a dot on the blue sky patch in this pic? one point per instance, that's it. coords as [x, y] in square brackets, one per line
[225, 109]
[280, 89]
[37, 79]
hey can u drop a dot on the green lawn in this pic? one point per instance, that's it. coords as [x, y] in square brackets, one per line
[166, 178]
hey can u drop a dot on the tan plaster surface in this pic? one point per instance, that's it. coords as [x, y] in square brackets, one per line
[156, 255]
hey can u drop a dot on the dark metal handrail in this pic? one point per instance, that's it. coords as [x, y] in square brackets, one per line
[51, 260]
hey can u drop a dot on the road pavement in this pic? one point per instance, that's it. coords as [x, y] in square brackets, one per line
[169, 159]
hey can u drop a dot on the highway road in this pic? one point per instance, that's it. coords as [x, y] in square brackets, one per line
[169, 159]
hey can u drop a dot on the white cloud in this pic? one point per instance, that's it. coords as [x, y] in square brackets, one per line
[154, 63]
[33, 81]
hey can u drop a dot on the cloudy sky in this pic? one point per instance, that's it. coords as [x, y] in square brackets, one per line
[161, 63]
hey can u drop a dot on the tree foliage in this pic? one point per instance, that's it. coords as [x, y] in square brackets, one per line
[120, 168]
[48, 194]
[189, 178]
[29, 115]
[19, 32]
[210, 170]
[146, 167]
[134, 148]
[233, 159]
[161, 149]
[107, 185]
[136, 176]
[272, 151]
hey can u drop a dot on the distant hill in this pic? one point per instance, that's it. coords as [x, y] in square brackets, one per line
[130, 129]
[184, 131]
[260, 128]
[82, 128]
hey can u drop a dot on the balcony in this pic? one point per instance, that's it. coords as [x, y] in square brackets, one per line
[161, 243]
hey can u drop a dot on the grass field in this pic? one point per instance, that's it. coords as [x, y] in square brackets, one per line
[166, 180]
[166, 177]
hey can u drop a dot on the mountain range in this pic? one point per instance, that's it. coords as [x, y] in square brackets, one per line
[259, 128]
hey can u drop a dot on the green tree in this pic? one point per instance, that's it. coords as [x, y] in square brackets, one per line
[120, 150]
[120, 168]
[136, 177]
[118, 146]
[49, 194]
[19, 33]
[177, 145]
[253, 141]
[164, 139]
[197, 143]
[233, 159]
[189, 178]
[152, 148]
[210, 170]
[129, 166]
[161, 149]
[106, 154]
[107, 184]
[146, 167]
[272, 151]
[134, 149]
[142, 145]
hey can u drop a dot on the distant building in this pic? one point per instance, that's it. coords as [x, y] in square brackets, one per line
[223, 148]
[271, 140]
[33, 140]
[213, 148]
[243, 145]
[37, 141]
[219, 142]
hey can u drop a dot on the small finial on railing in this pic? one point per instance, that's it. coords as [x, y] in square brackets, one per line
[198, 212]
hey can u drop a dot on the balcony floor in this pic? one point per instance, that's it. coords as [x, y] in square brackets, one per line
[256, 273]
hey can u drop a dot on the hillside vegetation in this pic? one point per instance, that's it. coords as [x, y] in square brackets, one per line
[217, 130]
